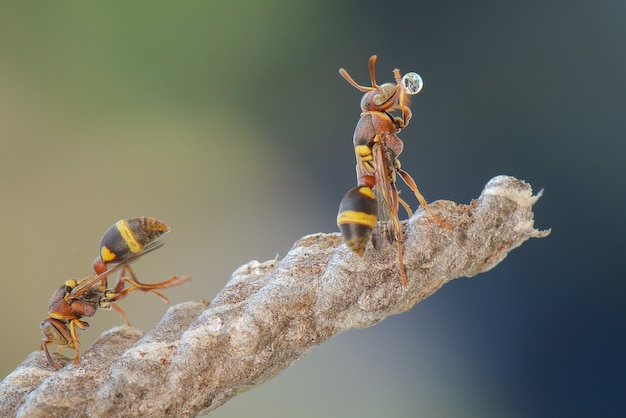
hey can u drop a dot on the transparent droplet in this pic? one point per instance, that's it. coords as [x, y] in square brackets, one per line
[412, 83]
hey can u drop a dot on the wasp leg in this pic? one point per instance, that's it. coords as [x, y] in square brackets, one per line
[399, 238]
[405, 206]
[120, 292]
[411, 183]
[122, 279]
[75, 343]
[54, 332]
[121, 312]
[403, 102]
[57, 332]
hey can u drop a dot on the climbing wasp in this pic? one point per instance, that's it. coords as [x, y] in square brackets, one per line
[121, 245]
[377, 147]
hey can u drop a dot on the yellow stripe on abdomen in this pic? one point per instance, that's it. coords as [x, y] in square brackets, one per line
[356, 217]
[129, 236]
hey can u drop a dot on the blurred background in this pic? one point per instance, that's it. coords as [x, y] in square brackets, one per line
[230, 122]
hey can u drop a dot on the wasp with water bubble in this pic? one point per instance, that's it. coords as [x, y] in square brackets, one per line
[377, 148]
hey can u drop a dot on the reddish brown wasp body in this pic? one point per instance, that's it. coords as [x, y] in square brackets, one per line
[377, 147]
[78, 299]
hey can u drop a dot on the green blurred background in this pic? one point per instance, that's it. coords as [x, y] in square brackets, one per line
[229, 121]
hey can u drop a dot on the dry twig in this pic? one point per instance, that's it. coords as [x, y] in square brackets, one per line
[271, 314]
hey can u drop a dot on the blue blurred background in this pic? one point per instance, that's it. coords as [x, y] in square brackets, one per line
[229, 121]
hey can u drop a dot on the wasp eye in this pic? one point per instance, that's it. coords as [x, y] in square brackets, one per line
[412, 83]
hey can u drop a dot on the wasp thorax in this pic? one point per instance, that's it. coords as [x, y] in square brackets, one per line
[412, 83]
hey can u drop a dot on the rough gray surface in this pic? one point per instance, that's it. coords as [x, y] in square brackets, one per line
[271, 314]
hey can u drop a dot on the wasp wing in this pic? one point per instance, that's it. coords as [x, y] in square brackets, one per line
[382, 159]
[89, 281]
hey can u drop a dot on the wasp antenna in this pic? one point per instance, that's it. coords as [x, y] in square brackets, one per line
[373, 59]
[353, 83]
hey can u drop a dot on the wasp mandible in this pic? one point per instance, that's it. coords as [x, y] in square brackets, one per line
[377, 147]
[121, 245]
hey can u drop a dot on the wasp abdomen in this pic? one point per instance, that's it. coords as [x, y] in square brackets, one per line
[358, 214]
[128, 237]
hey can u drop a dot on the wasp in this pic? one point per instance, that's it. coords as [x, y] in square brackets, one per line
[122, 244]
[377, 147]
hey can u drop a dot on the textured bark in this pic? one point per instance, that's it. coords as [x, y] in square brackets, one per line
[271, 314]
